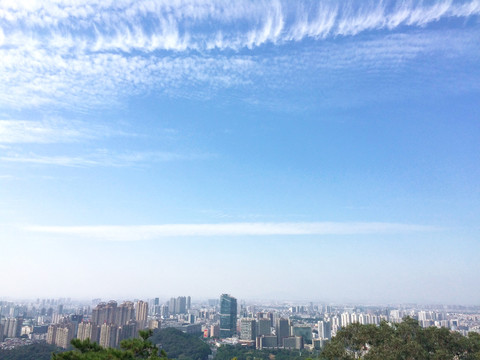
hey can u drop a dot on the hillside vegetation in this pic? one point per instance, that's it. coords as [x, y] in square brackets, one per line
[405, 340]
[181, 346]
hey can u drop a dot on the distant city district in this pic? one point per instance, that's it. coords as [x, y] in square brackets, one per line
[223, 321]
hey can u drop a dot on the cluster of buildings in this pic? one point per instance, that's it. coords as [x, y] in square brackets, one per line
[223, 320]
[108, 324]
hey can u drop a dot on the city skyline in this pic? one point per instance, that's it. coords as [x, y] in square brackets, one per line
[219, 321]
[317, 150]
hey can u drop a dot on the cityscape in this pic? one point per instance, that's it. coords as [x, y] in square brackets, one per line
[245, 179]
[220, 321]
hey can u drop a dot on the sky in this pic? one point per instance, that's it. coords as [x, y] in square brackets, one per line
[306, 150]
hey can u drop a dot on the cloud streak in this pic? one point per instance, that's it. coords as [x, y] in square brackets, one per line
[46, 132]
[152, 232]
[103, 158]
[87, 80]
[186, 25]
[88, 54]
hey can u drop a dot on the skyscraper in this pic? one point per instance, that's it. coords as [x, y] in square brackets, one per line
[282, 330]
[125, 313]
[248, 329]
[142, 313]
[324, 330]
[228, 315]
[88, 330]
[264, 327]
[108, 335]
[172, 305]
[64, 335]
[181, 305]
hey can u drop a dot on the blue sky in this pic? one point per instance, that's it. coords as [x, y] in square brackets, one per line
[324, 150]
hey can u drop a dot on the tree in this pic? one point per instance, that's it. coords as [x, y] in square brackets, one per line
[402, 341]
[180, 345]
[131, 349]
[37, 351]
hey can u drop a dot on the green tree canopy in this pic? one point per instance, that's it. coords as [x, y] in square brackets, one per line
[402, 341]
[179, 345]
[37, 351]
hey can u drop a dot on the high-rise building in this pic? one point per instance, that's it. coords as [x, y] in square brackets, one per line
[345, 318]
[142, 314]
[51, 334]
[164, 311]
[181, 305]
[108, 335]
[127, 331]
[125, 313]
[305, 331]
[264, 327]
[154, 324]
[324, 330]
[110, 312]
[353, 318]
[266, 341]
[172, 305]
[64, 335]
[99, 313]
[12, 327]
[228, 315]
[215, 331]
[293, 342]
[248, 329]
[282, 329]
[88, 330]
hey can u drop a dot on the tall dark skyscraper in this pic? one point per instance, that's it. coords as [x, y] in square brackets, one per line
[228, 315]
[282, 330]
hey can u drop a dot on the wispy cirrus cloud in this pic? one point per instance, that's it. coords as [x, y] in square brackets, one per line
[152, 232]
[47, 131]
[103, 79]
[102, 158]
[89, 54]
[88, 80]
[162, 25]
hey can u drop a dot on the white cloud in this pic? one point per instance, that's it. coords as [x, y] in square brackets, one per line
[50, 131]
[103, 158]
[187, 24]
[150, 232]
[87, 80]
[87, 54]
[30, 77]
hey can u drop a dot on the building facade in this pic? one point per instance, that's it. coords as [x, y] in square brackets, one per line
[228, 315]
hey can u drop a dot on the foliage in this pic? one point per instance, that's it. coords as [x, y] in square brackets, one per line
[402, 341]
[227, 352]
[131, 349]
[181, 346]
[37, 351]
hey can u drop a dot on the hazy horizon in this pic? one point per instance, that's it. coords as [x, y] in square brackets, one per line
[316, 149]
